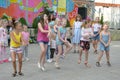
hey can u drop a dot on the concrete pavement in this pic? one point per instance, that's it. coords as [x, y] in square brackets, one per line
[70, 70]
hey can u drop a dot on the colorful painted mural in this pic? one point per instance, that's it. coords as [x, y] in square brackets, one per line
[29, 9]
[23, 8]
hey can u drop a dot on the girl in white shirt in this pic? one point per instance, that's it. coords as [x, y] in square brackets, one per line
[86, 34]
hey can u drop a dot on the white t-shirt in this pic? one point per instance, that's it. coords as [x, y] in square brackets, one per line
[86, 34]
[77, 24]
[96, 27]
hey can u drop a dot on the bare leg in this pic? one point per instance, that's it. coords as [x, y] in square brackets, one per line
[108, 58]
[80, 57]
[42, 47]
[74, 46]
[13, 56]
[58, 56]
[93, 42]
[68, 48]
[44, 55]
[86, 59]
[99, 59]
[20, 55]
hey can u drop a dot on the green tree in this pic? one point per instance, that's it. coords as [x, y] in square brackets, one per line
[35, 23]
[102, 19]
[23, 21]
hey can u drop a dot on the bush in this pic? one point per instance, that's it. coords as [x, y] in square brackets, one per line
[68, 23]
[35, 23]
[5, 17]
[102, 20]
[23, 21]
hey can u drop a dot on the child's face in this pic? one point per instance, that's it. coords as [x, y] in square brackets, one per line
[19, 27]
[97, 19]
[105, 27]
[58, 22]
[45, 17]
[25, 28]
[64, 23]
[78, 18]
[5, 24]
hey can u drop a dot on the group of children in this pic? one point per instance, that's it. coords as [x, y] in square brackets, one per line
[57, 35]
[52, 36]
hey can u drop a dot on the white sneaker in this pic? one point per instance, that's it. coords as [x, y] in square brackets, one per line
[16, 59]
[10, 59]
[27, 59]
[49, 60]
[57, 66]
[39, 66]
[43, 68]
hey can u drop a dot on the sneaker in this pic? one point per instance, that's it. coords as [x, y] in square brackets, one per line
[10, 59]
[98, 64]
[108, 63]
[49, 60]
[43, 68]
[27, 59]
[39, 66]
[57, 66]
[16, 59]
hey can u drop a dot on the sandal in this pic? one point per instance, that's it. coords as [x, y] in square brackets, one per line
[108, 63]
[20, 73]
[98, 64]
[87, 65]
[95, 52]
[79, 61]
[14, 74]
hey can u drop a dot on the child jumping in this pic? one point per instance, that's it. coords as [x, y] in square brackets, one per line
[60, 41]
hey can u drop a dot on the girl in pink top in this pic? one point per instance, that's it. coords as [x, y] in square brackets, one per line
[3, 41]
[25, 35]
[42, 38]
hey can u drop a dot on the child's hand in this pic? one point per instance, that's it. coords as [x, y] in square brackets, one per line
[106, 45]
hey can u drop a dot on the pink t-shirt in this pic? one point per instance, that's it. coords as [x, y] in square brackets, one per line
[42, 36]
[26, 37]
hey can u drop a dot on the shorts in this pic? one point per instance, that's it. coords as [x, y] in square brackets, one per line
[42, 42]
[69, 40]
[16, 50]
[103, 48]
[97, 37]
[85, 45]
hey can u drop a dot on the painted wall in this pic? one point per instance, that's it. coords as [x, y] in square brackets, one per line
[18, 8]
